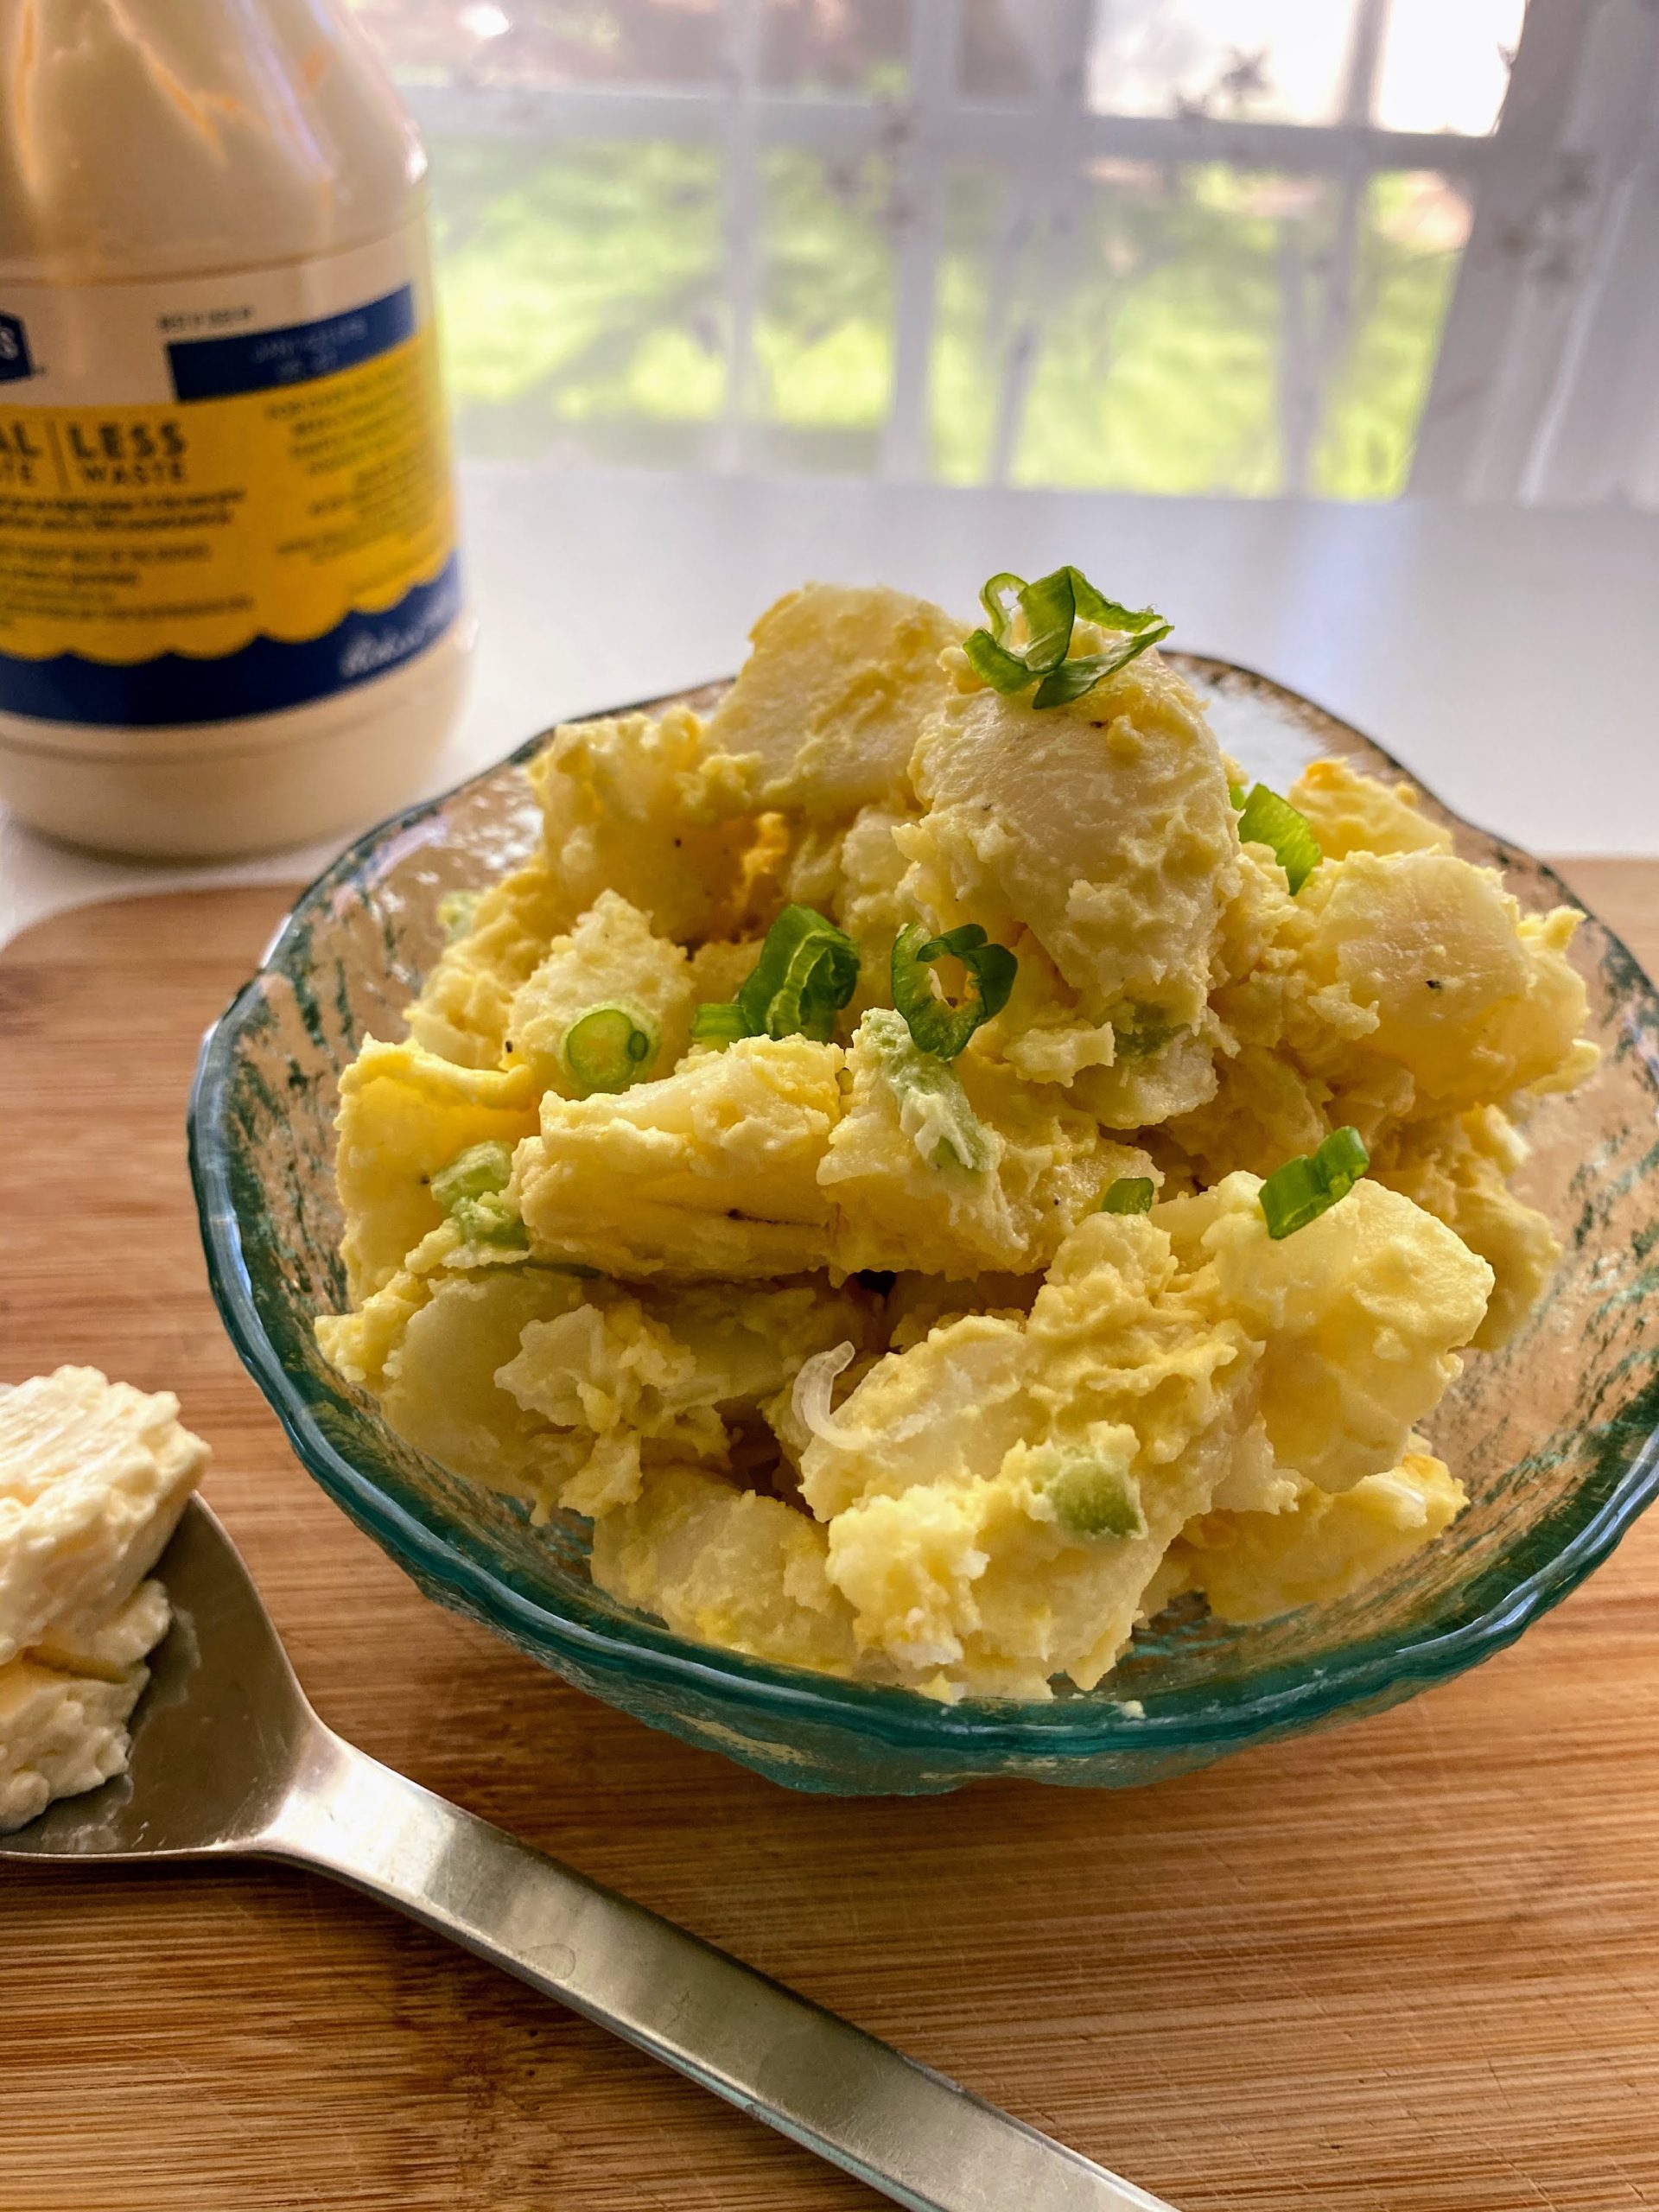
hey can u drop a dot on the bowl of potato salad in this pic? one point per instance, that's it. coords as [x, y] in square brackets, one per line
[987, 1198]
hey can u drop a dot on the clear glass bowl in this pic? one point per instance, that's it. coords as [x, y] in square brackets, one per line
[1555, 1437]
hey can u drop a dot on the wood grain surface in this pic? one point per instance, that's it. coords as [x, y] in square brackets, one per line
[1412, 1966]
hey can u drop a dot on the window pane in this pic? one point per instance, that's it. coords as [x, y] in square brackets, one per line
[817, 46]
[581, 288]
[1000, 55]
[1445, 68]
[970, 324]
[1414, 227]
[547, 41]
[823, 341]
[1135, 339]
[1269, 61]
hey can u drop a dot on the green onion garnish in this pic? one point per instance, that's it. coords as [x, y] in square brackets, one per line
[807, 971]
[1129, 1194]
[1090, 1497]
[1000, 597]
[470, 1189]
[935, 1025]
[1004, 671]
[1267, 819]
[478, 1173]
[717, 1021]
[607, 1047]
[490, 1221]
[1139, 1034]
[933, 1108]
[1052, 605]
[1309, 1185]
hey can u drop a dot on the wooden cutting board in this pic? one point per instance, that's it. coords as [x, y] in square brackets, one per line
[1412, 1966]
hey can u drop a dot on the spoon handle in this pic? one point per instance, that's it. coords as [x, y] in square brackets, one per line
[905, 2130]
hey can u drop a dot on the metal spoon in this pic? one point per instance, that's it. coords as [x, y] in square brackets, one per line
[229, 1760]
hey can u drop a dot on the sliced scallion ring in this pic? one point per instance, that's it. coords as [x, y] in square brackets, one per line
[717, 1021]
[1072, 679]
[1000, 597]
[1129, 1194]
[1311, 1185]
[935, 1025]
[478, 1173]
[1003, 671]
[807, 971]
[1267, 819]
[610, 1046]
[1051, 608]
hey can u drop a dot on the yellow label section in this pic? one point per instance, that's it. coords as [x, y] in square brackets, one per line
[194, 527]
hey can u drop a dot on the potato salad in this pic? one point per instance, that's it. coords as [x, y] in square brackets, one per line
[931, 1165]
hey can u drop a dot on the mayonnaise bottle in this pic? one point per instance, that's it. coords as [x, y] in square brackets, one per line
[231, 616]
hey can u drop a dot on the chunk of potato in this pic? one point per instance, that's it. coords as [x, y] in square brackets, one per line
[1350, 812]
[403, 1114]
[1475, 999]
[1361, 1313]
[612, 956]
[1102, 827]
[954, 1170]
[1253, 1567]
[461, 1012]
[628, 809]
[1457, 1170]
[729, 1566]
[828, 708]
[712, 1170]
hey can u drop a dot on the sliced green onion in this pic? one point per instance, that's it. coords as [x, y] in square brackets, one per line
[1141, 1034]
[608, 1046]
[717, 1021]
[1000, 597]
[1129, 1194]
[1309, 1185]
[470, 1190]
[1094, 606]
[1090, 1497]
[1073, 677]
[1267, 819]
[1344, 1158]
[1003, 671]
[935, 1025]
[1052, 605]
[807, 971]
[490, 1220]
[478, 1173]
[934, 1111]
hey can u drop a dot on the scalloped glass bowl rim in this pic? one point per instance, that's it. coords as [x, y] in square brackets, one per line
[1078, 1727]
